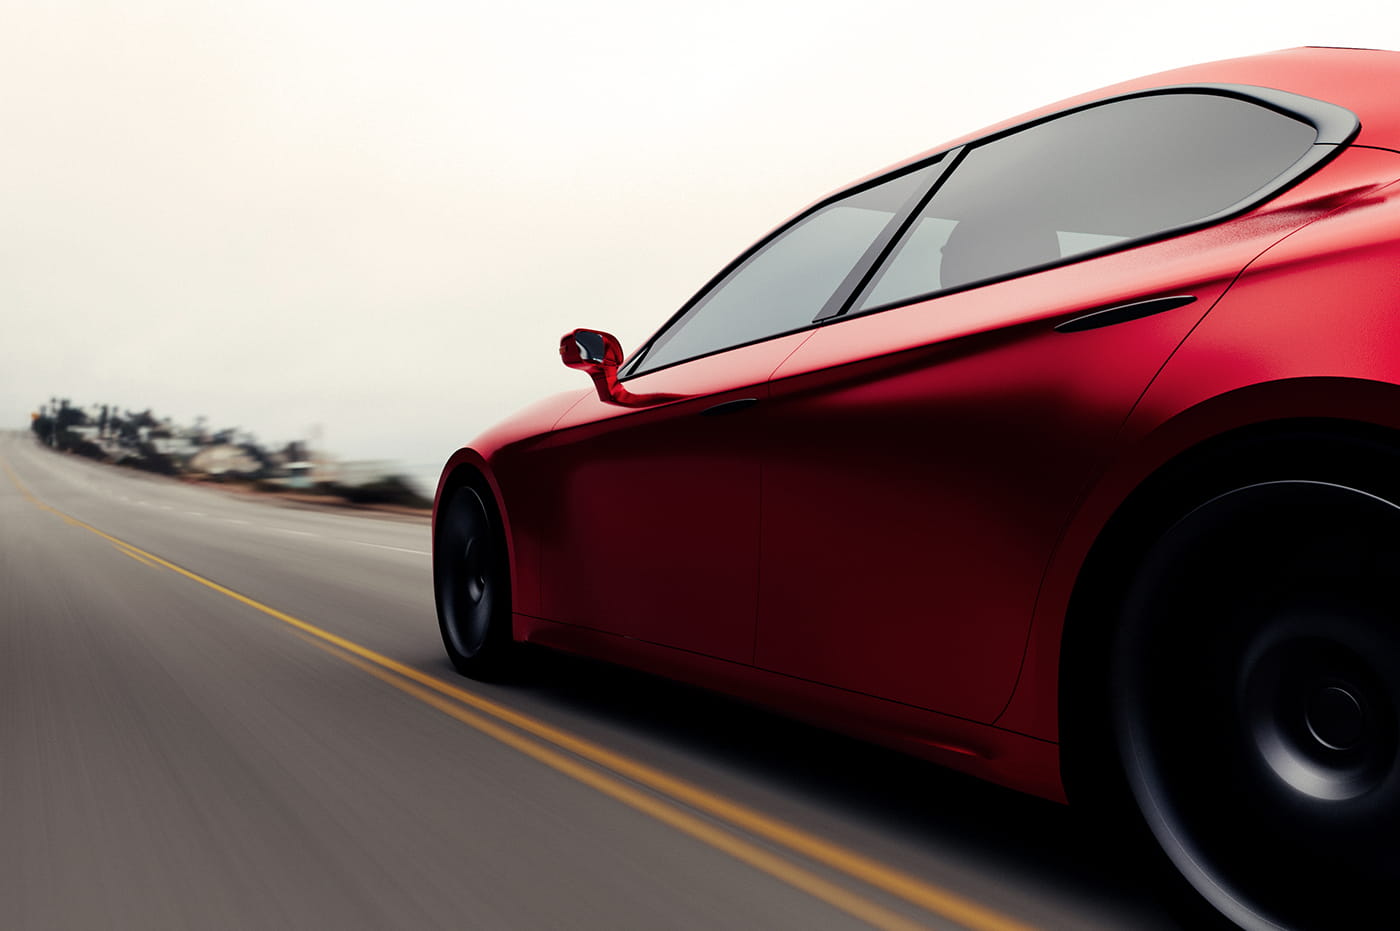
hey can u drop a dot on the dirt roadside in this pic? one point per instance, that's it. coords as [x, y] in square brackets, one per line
[311, 502]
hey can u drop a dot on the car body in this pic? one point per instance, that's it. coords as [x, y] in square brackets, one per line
[912, 464]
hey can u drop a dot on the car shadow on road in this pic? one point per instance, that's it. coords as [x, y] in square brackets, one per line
[1047, 850]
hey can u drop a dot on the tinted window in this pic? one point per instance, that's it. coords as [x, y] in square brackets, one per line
[785, 284]
[1120, 171]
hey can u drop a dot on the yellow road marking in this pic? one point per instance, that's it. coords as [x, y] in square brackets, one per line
[971, 915]
[658, 808]
[127, 551]
[23, 490]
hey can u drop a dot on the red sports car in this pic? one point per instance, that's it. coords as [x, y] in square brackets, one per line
[1066, 454]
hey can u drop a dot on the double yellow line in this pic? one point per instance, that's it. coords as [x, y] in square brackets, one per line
[682, 805]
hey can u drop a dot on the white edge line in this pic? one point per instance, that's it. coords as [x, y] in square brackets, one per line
[381, 546]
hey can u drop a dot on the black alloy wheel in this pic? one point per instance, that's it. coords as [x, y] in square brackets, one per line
[472, 583]
[1256, 702]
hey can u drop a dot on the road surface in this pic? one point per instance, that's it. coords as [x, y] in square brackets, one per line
[220, 712]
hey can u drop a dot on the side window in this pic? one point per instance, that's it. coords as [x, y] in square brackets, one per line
[787, 281]
[1119, 171]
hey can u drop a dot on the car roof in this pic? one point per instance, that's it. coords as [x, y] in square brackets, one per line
[1361, 80]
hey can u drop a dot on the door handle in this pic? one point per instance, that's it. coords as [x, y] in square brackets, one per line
[1122, 313]
[729, 407]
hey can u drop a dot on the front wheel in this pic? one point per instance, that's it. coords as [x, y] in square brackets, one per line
[472, 582]
[1256, 676]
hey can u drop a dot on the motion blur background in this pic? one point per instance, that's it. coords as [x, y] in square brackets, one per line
[371, 221]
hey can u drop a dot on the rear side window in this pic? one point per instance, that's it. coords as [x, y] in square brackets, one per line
[1125, 170]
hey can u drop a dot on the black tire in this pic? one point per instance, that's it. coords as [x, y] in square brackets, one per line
[471, 579]
[1256, 702]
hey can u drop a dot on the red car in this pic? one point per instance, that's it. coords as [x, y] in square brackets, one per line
[1066, 454]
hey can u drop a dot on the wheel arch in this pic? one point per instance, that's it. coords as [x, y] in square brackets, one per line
[1348, 449]
[468, 467]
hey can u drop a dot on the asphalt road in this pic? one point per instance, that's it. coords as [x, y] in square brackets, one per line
[218, 712]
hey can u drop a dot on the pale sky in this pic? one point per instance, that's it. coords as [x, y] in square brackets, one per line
[379, 217]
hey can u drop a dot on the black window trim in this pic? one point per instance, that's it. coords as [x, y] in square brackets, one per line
[888, 236]
[1336, 127]
[875, 254]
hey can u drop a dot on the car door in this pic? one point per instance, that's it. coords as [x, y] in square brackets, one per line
[926, 446]
[655, 508]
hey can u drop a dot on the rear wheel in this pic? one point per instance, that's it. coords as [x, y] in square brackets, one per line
[1256, 697]
[472, 582]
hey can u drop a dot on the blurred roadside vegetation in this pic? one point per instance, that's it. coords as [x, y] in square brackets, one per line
[140, 440]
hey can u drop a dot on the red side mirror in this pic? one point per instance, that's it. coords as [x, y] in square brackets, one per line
[599, 354]
[590, 350]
